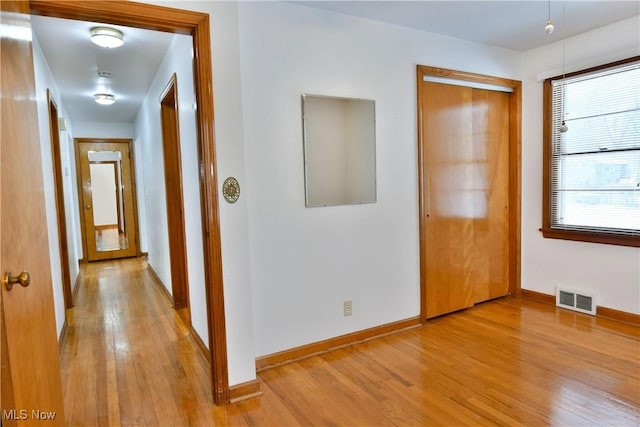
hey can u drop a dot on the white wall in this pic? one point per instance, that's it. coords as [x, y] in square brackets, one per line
[44, 80]
[612, 272]
[148, 127]
[103, 130]
[230, 162]
[305, 262]
[148, 134]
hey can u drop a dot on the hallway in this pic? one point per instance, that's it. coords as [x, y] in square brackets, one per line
[128, 360]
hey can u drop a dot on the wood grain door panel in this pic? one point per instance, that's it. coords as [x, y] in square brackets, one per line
[466, 165]
[30, 378]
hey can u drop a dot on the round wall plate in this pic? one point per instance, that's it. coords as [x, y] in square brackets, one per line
[231, 190]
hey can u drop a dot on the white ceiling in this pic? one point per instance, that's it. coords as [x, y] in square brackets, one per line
[518, 25]
[75, 62]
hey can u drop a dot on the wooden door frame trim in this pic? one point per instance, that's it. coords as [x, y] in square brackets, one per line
[175, 223]
[197, 25]
[515, 171]
[56, 158]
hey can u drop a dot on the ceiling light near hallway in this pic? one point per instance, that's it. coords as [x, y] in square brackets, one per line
[107, 37]
[104, 98]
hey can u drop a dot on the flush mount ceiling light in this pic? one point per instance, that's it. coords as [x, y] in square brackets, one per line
[107, 37]
[104, 98]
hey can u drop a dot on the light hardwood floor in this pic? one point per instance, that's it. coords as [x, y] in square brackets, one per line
[129, 360]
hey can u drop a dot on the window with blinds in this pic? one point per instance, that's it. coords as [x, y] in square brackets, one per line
[594, 166]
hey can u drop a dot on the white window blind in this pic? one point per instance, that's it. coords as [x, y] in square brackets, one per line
[595, 165]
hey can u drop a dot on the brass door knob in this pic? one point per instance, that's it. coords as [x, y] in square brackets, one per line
[24, 279]
[87, 206]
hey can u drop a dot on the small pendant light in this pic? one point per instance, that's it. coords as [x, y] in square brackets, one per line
[563, 127]
[549, 27]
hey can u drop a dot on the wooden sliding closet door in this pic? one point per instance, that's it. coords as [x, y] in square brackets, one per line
[465, 195]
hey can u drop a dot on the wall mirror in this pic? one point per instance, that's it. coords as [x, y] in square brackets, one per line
[339, 150]
[105, 174]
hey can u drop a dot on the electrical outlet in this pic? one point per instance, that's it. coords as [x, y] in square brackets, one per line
[347, 308]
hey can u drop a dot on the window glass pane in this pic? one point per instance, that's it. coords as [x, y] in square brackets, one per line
[602, 209]
[610, 132]
[602, 112]
[608, 171]
[602, 94]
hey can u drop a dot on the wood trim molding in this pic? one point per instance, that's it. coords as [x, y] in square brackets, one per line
[287, 356]
[538, 297]
[83, 239]
[603, 312]
[620, 316]
[63, 336]
[196, 24]
[244, 391]
[160, 284]
[106, 226]
[201, 345]
[210, 216]
[515, 187]
[76, 285]
[422, 201]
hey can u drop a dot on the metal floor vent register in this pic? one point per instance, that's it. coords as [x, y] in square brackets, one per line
[572, 300]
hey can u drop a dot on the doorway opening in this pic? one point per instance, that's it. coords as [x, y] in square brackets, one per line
[139, 15]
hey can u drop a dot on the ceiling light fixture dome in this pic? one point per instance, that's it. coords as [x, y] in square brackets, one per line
[104, 98]
[107, 37]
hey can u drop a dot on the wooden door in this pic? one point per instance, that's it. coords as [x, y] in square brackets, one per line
[109, 220]
[30, 375]
[465, 157]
